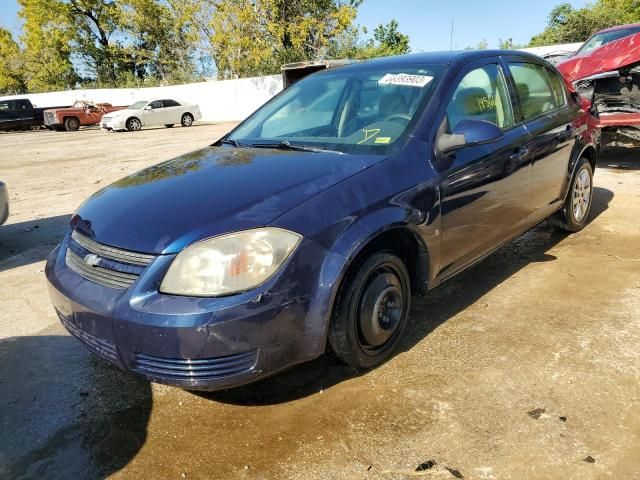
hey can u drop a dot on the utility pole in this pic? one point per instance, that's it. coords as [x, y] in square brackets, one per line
[451, 37]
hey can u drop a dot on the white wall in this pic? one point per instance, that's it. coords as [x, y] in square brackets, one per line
[218, 100]
[546, 50]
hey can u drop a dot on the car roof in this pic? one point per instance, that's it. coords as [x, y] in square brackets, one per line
[618, 27]
[437, 58]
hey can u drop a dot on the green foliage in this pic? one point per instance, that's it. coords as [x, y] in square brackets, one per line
[568, 25]
[47, 39]
[11, 65]
[255, 37]
[508, 44]
[386, 41]
[119, 43]
[481, 45]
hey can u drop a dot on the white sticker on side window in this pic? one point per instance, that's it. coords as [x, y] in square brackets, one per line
[405, 79]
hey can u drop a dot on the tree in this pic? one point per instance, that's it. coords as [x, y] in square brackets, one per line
[163, 36]
[568, 25]
[508, 44]
[11, 65]
[254, 37]
[386, 41]
[390, 40]
[47, 50]
[94, 22]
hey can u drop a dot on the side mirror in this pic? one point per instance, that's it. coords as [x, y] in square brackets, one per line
[467, 133]
[148, 107]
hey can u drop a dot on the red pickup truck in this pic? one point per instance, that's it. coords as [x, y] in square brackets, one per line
[82, 113]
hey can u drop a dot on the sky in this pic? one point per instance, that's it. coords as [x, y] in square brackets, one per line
[428, 22]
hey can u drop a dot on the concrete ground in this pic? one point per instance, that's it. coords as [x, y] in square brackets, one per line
[526, 366]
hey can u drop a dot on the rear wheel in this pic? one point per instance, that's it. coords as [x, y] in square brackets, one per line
[574, 214]
[187, 120]
[133, 124]
[71, 124]
[371, 311]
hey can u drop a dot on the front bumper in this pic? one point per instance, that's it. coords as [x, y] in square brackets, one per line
[201, 343]
[112, 124]
[4, 203]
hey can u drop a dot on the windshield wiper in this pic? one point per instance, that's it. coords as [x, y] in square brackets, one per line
[286, 145]
[231, 141]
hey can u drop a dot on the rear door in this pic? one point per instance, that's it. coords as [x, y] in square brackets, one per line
[548, 115]
[173, 111]
[483, 187]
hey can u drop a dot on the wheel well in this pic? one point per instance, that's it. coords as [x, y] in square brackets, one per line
[403, 243]
[64, 119]
[188, 113]
[591, 155]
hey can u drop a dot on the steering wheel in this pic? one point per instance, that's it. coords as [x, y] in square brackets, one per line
[398, 116]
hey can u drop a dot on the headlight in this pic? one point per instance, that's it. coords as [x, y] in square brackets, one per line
[230, 263]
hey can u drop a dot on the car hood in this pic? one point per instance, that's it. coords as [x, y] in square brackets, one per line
[611, 56]
[208, 192]
[124, 111]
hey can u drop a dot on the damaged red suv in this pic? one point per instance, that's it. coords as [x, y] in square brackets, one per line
[606, 71]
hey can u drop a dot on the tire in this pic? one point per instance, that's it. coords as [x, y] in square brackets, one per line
[371, 311]
[186, 120]
[133, 124]
[71, 124]
[169, 125]
[574, 214]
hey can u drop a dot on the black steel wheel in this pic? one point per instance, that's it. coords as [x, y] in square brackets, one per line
[371, 311]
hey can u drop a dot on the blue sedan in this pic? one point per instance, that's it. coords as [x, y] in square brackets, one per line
[311, 225]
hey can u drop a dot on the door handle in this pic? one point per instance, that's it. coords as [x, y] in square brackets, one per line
[519, 153]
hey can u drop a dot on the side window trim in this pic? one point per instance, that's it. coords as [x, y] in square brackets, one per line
[516, 99]
[457, 76]
[501, 76]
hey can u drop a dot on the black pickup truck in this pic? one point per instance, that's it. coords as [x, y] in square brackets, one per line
[19, 114]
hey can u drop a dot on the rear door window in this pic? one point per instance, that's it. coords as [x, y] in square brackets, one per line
[536, 94]
[170, 103]
[481, 95]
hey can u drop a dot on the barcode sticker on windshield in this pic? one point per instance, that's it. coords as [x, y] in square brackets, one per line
[405, 79]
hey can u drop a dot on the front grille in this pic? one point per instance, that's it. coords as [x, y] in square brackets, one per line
[93, 343]
[113, 253]
[49, 118]
[108, 266]
[202, 369]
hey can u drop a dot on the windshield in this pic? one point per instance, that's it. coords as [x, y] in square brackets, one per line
[138, 105]
[363, 110]
[603, 38]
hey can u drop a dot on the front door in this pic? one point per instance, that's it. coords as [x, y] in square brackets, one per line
[483, 187]
[155, 114]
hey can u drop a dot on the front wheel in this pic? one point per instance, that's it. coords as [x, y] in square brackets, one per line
[187, 120]
[371, 311]
[133, 124]
[71, 124]
[573, 215]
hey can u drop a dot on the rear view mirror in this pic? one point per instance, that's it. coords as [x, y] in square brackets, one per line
[467, 133]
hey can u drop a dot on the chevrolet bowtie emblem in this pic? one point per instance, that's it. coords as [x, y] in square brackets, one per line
[92, 260]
